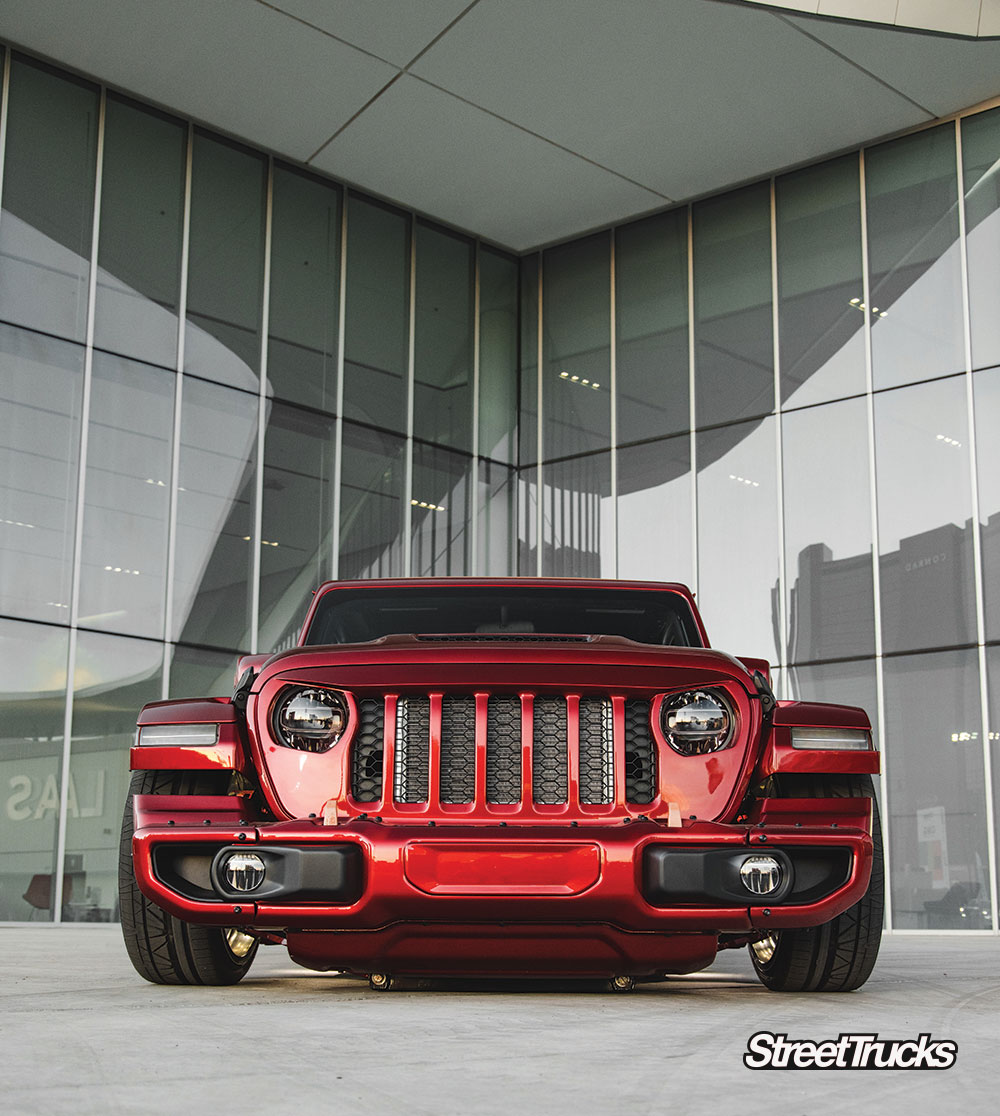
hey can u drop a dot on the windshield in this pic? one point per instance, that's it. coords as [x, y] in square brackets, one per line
[647, 616]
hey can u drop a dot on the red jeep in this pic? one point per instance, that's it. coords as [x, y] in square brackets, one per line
[503, 777]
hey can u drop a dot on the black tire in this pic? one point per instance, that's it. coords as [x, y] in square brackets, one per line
[839, 955]
[164, 949]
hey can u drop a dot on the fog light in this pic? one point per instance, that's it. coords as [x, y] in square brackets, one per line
[761, 874]
[244, 871]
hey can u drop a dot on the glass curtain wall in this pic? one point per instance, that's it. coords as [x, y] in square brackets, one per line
[804, 383]
[222, 380]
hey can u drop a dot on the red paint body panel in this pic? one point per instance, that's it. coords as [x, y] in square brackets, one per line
[518, 888]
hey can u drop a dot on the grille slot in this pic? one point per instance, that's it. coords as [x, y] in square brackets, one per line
[413, 741]
[366, 759]
[503, 752]
[549, 754]
[597, 751]
[640, 754]
[458, 749]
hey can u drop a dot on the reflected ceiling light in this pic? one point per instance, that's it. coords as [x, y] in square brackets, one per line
[427, 504]
[859, 305]
[948, 441]
[121, 570]
[744, 480]
[18, 523]
[158, 483]
[581, 380]
[57, 604]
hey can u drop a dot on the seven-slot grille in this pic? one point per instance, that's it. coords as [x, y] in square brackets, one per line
[571, 742]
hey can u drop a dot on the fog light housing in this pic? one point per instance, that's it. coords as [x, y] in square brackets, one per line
[243, 871]
[761, 875]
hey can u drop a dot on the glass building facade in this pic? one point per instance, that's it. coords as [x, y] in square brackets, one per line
[225, 379]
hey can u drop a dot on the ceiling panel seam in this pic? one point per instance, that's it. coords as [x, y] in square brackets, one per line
[323, 31]
[857, 66]
[392, 81]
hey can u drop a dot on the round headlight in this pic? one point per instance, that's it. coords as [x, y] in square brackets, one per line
[696, 722]
[311, 720]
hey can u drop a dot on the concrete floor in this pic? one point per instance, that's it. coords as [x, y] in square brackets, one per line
[81, 1033]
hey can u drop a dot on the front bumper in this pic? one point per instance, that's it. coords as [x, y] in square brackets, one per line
[634, 876]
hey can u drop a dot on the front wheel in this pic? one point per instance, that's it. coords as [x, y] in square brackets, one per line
[839, 955]
[164, 949]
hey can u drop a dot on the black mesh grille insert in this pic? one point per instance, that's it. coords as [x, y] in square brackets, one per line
[640, 754]
[597, 751]
[549, 776]
[458, 749]
[366, 758]
[503, 752]
[413, 739]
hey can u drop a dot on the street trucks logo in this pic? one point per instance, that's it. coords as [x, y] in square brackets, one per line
[766, 1050]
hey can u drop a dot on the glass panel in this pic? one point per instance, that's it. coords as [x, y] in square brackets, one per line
[443, 338]
[123, 566]
[197, 672]
[305, 289]
[820, 288]
[981, 170]
[576, 319]
[32, 710]
[578, 518]
[497, 355]
[734, 333]
[142, 224]
[377, 326]
[226, 267]
[654, 511]
[851, 683]
[496, 496]
[371, 503]
[215, 516]
[993, 684]
[828, 532]
[924, 512]
[115, 678]
[527, 522]
[41, 387]
[937, 801]
[296, 549]
[986, 386]
[528, 409]
[441, 512]
[48, 200]
[913, 256]
[738, 538]
[651, 307]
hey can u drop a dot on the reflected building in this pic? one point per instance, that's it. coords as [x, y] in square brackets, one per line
[225, 377]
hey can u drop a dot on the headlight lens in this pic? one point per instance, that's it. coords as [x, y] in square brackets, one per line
[697, 721]
[311, 720]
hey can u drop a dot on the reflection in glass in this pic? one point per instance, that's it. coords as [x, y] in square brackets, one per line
[828, 532]
[126, 508]
[497, 355]
[993, 686]
[981, 172]
[115, 677]
[527, 522]
[820, 290]
[41, 386]
[371, 503]
[528, 424]
[578, 536]
[305, 289]
[913, 257]
[441, 512]
[654, 510]
[296, 546]
[46, 226]
[576, 385]
[986, 386]
[734, 344]
[845, 683]
[142, 217]
[198, 672]
[226, 265]
[443, 338]
[32, 709]
[651, 306]
[937, 806]
[215, 516]
[377, 326]
[738, 538]
[497, 495]
[924, 513]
